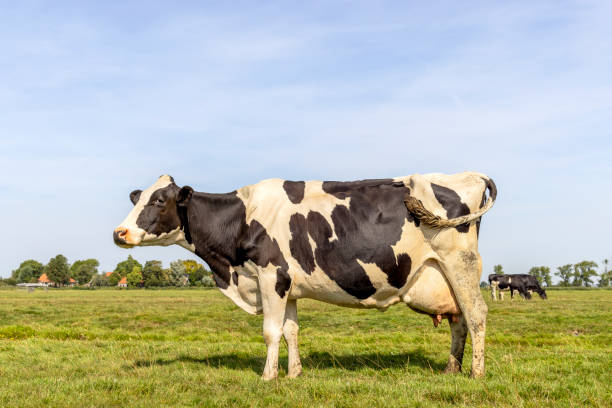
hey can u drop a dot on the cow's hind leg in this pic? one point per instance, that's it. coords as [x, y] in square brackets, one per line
[459, 332]
[461, 269]
[274, 314]
[290, 331]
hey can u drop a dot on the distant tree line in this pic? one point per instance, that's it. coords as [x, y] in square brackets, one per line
[85, 272]
[579, 274]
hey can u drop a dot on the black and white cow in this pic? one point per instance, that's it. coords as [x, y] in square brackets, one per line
[523, 284]
[370, 243]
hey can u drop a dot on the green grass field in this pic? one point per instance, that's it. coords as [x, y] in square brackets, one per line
[195, 348]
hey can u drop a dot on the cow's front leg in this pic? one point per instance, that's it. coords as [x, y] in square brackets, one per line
[274, 313]
[290, 331]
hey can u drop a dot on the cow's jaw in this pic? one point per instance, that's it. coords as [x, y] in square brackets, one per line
[176, 236]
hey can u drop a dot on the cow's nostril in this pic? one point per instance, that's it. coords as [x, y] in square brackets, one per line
[119, 235]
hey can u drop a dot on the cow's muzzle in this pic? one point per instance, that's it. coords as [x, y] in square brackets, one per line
[120, 237]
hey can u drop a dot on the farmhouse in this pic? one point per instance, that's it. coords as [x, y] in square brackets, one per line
[44, 280]
[122, 283]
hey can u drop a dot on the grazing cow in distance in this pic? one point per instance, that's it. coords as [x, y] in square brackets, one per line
[523, 284]
[369, 243]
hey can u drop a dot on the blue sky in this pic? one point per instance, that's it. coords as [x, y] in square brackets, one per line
[100, 98]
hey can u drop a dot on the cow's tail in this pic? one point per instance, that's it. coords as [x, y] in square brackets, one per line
[416, 207]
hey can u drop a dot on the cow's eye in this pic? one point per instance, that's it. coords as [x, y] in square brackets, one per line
[159, 201]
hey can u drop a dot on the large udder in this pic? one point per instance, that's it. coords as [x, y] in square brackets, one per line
[429, 292]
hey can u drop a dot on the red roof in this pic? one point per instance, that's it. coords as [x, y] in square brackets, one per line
[122, 281]
[44, 278]
[72, 280]
[107, 274]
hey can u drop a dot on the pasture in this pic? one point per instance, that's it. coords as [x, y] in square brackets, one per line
[149, 348]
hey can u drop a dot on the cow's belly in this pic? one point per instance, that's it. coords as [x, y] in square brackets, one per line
[426, 290]
[380, 300]
[429, 292]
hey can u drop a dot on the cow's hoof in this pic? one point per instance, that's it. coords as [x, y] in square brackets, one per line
[295, 373]
[452, 369]
[477, 374]
[268, 377]
[453, 366]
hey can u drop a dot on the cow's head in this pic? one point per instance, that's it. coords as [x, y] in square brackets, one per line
[158, 216]
[542, 293]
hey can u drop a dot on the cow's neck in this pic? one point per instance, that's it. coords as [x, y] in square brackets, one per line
[214, 224]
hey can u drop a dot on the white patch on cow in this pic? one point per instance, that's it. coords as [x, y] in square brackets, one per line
[274, 214]
[319, 286]
[385, 295]
[176, 236]
[407, 243]
[246, 295]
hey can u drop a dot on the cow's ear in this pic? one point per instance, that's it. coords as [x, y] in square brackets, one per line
[134, 196]
[183, 196]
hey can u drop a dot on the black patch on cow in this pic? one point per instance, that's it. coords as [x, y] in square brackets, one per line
[299, 244]
[182, 213]
[342, 189]
[183, 198]
[222, 238]
[160, 213]
[411, 218]
[294, 190]
[342, 269]
[451, 202]
[366, 230]
[262, 250]
[404, 264]
[216, 223]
